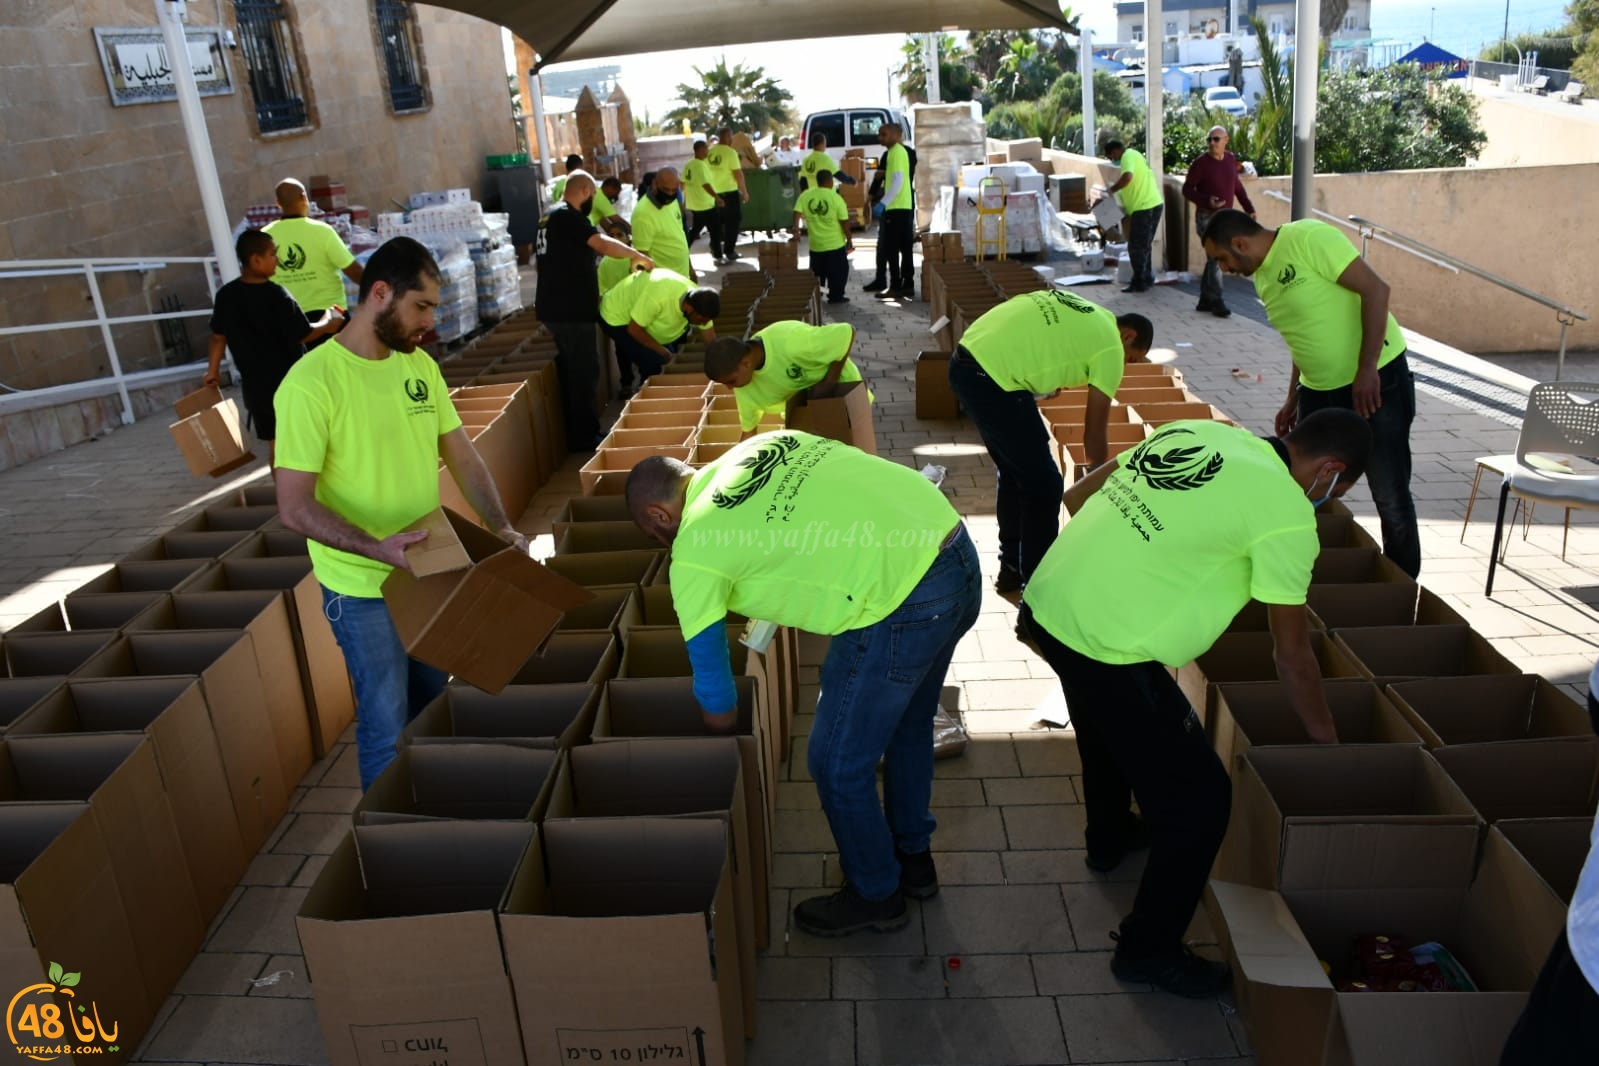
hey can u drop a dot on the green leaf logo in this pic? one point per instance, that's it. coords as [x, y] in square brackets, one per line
[55, 972]
[70, 979]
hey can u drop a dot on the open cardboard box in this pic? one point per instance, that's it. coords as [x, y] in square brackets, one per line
[844, 416]
[53, 654]
[235, 517]
[194, 544]
[543, 716]
[472, 605]
[1342, 566]
[166, 575]
[1498, 924]
[1341, 530]
[92, 610]
[1258, 714]
[934, 397]
[674, 437]
[593, 897]
[1556, 849]
[614, 609]
[622, 461]
[1391, 653]
[584, 538]
[1255, 617]
[1340, 816]
[1475, 710]
[1386, 603]
[594, 569]
[581, 509]
[583, 657]
[1159, 414]
[463, 780]
[171, 712]
[18, 695]
[402, 947]
[209, 434]
[1248, 656]
[1557, 777]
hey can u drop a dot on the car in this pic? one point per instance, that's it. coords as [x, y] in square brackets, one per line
[851, 127]
[1226, 98]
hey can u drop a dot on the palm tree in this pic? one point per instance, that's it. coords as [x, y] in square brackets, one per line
[1267, 136]
[743, 97]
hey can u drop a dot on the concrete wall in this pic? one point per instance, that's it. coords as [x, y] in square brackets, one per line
[79, 177]
[1525, 130]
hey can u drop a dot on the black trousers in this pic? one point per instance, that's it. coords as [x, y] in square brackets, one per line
[1560, 1024]
[577, 360]
[1138, 737]
[832, 270]
[896, 239]
[732, 215]
[708, 220]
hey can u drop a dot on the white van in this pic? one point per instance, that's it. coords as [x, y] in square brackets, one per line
[852, 127]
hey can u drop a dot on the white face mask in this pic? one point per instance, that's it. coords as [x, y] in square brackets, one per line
[1334, 484]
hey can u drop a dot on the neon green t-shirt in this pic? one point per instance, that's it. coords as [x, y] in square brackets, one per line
[558, 190]
[658, 233]
[805, 532]
[1140, 194]
[369, 429]
[826, 215]
[1043, 341]
[1194, 522]
[724, 163]
[897, 161]
[653, 299]
[602, 209]
[696, 175]
[797, 356]
[311, 256]
[814, 164]
[1319, 318]
[613, 272]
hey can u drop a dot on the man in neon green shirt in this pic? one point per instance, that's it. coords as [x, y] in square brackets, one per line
[826, 218]
[699, 197]
[362, 424]
[574, 163]
[1141, 199]
[311, 255]
[658, 224]
[811, 533]
[1034, 345]
[1165, 545]
[781, 360]
[815, 162]
[648, 313]
[1347, 349]
[896, 232]
[603, 214]
[727, 182]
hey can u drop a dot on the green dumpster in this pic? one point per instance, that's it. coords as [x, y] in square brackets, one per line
[772, 193]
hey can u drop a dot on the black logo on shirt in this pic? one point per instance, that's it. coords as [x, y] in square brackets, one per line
[291, 257]
[1176, 468]
[1076, 303]
[761, 466]
[820, 208]
[794, 373]
[1287, 276]
[417, 389]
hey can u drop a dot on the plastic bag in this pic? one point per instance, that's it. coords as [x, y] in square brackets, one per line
[949, 736]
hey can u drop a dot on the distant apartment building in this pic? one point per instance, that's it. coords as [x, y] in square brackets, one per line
[1183, 17]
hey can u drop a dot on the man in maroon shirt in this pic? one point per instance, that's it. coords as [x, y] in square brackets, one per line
[1213, 180]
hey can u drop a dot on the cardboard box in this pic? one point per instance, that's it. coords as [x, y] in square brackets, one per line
[117, 776]
[706, 454]
[934, 397]
[1392, 653]
[622, 460]
[1474, 710]
[1249, 656]
[581, 509]
[210, 544]
[209, 435]
[596, 895]
[540, 716]
[614, 609]
[1158, 414]
[608, 568]
[230, 518]
[1336, 566]
[164, 576]
[472, 605]
[1388, 603]
[1342, 531]
[571, 658]
[18, 695]
[590, 537]
[1556, 849]
[686, 777]
[1259, 714]
[1557, 777]
[53, 654]
[1496, 925]
[674, 437]
[46, 849]
[845, 416]
[102, 610]
[504, 782]
[509, 448]
[171, 712]
[685, 418]
[235, 701]
[402, 947]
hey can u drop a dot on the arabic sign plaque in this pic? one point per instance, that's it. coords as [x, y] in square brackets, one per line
[137, 70]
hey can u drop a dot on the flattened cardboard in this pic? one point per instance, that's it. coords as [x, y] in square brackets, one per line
[1388, 603]
[503, 782]
[1392, 653]
[1477, 710]
[1259, 714]
[53, 654]
[845, 416]
[1556, 849]
[117, 775]
[586, 658]
[1556, 777]
[552, 716]
[592, 898]
[170, 711]
[608, 568]
[166, 575]
[1248, 656]
[409, 958]
[480, 623]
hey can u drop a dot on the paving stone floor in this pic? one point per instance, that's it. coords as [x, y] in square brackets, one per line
[1027, 921]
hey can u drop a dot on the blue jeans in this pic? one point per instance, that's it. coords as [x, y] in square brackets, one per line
[1029, 485]
[1141, 229]
[390, 687]
[1388, 470]
[880, 689]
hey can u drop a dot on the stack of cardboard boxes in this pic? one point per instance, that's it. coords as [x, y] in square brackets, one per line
[857, 196]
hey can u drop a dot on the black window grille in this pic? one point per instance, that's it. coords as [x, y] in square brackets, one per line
[397, 35]
[266, 40]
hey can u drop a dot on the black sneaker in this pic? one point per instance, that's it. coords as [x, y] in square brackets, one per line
[1221, 311]
[1179, 972]
[1008, 581]
[918, 877]
[874, 286]
[1136, 839]
[887, 294]
[1204, 305]
[1136, 288]
[838, 299]
[845, 912]
[907, 293]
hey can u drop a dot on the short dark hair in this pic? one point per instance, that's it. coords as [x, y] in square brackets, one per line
[1337, 433]
[251, 243]
[1114, 146]
[1225, 225]
[818, 140]
[1143, 330]
[646, 180]
[401, 262]
[722, 356]
[612, 180]
[574, 162]
[707, 302]
[652, 480]
[700, 144]
[824, 177]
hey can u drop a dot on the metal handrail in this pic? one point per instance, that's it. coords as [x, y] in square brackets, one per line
[1566, 316]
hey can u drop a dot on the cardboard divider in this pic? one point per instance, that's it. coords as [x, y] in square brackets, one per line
[581, 509]
[1341, 566]
[52, 654]
[402, 947]
[1391, 653]
[1341, 530]
[464, 780]
[673, 437]
[593, 896]
[230, 517]
[658, 420]
[259, 494]
[271, 544]
[1556, 849]
[705, 454]
[614, 609]
[1388, 603]
[1248, 656]
[622, 460]
[1474, 710]
[187, 545]
[540, 716]
[571, 658]
[1259, 714]
[1556, 777]
[588, 537]
[592, 569]
[707, 435]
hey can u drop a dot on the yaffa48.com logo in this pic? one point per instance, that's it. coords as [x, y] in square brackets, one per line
[50, 1020]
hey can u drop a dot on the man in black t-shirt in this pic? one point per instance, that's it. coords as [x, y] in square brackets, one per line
[568, 301]
[261, 324]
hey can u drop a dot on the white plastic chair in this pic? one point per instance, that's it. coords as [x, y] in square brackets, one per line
[1562, 420]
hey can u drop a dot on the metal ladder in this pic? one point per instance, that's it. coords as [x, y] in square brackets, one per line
[986, 189]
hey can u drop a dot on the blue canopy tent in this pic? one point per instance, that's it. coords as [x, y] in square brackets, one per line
[1432, 59]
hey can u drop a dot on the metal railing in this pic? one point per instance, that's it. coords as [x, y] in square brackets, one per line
[17, 399]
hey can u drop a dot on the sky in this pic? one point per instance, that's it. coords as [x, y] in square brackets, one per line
[856, 70]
